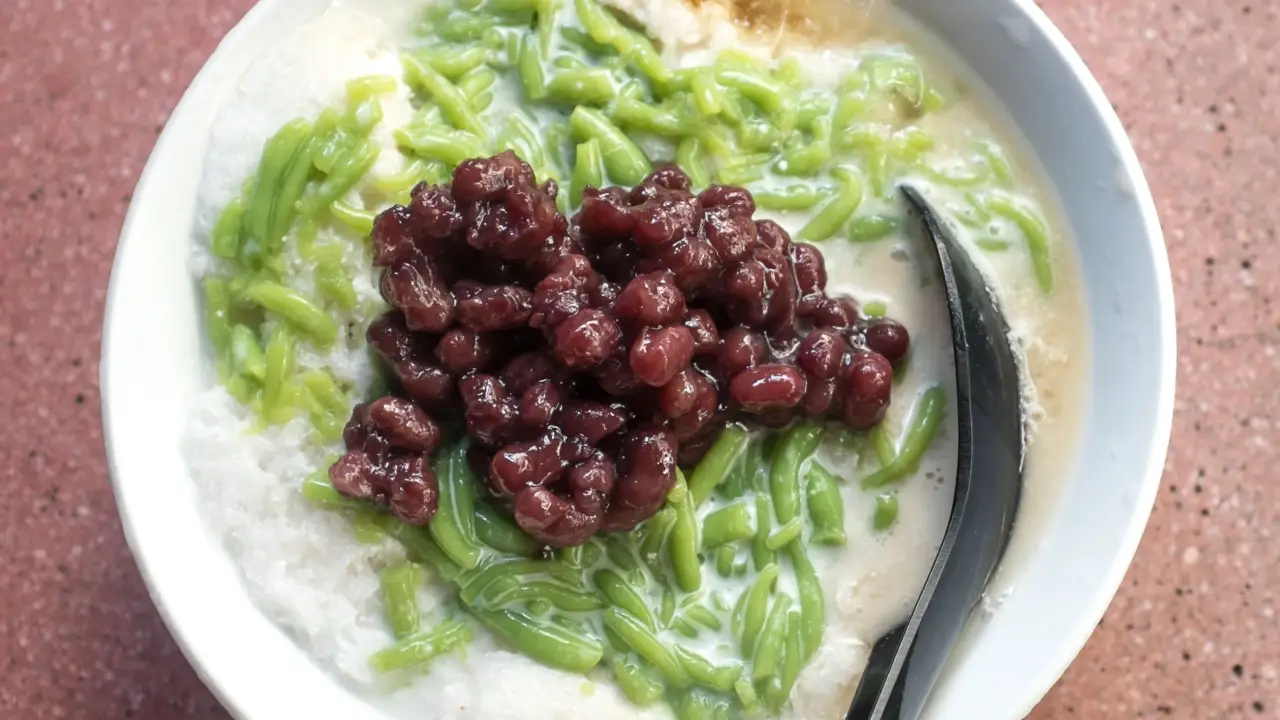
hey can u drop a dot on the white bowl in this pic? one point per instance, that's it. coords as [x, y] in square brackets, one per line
[151, 369]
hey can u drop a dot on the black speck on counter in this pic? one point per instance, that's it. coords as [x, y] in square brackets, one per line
[1237, 670]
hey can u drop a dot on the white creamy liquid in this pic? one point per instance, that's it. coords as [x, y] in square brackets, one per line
[306, 571]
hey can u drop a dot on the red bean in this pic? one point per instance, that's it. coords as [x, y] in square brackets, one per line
[352, 476]
[606, 215]
[727, 196]
[424, 382]
[819, 396]
[462, 351]
[780, 279]
[563, 292]
[404, 425]
[376, 446]
[657, 355]
[436, 212]
[591, 483]
[730, 232]
[811, 269]
[839, 312]
[869, 379]
[539, 405]
[355, 431]
[481, 388]
[391, 338]
[739, 350]
[766, 388]
[490, 413]
[415, 494]
[700, 414]
[772, 235]
[488, 178]
[647, 470]
[526, 370]
[889, 338]
[821, 353]
[651, 299]
[393, 237]
[809, 305]
[516, 227]
[745, 284]
[577, 271]
[706, 338]
[551, 519]
[414, 285]
[679, 395]
[694, 262]
[553, 307]
[664, 177]
[670, 217]
[528, 464]
[585, 339]
[591, 421]
[500, 307]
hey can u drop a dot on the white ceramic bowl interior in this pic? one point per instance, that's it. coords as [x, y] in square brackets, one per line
[151, 369]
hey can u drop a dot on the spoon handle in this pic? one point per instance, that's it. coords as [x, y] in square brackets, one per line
[906, 664]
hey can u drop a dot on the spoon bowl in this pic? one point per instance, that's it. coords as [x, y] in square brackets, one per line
[905, 664]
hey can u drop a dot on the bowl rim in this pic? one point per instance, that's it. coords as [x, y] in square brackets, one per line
[202, 80]
[1102, 593]
[1105, 590]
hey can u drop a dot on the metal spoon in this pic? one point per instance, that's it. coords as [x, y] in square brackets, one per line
[905, 664]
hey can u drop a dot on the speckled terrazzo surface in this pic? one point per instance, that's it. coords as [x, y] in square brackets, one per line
[1193, 633]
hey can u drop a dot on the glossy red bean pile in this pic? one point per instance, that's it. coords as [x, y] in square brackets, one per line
[588, 358]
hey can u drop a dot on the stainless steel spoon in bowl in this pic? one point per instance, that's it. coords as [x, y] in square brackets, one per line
[904, 665]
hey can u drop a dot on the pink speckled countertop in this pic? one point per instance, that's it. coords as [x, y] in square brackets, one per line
[1193, 632]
